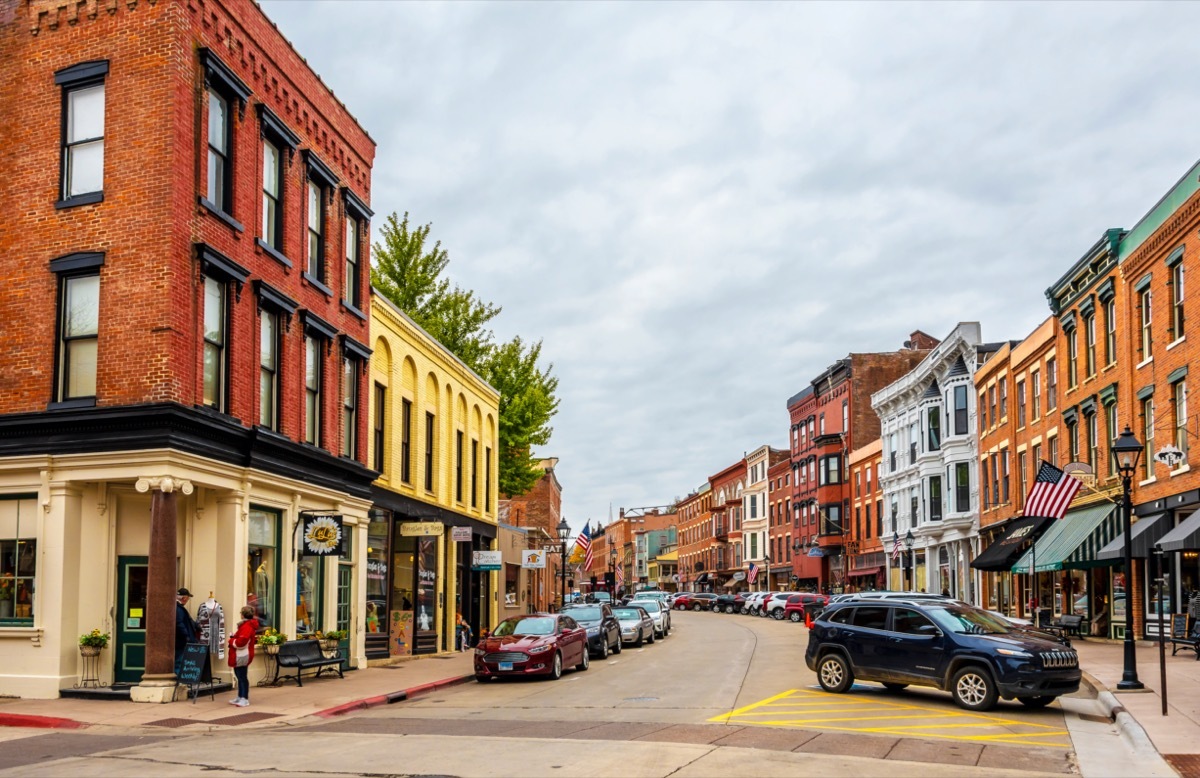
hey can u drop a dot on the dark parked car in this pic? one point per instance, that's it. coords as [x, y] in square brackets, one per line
[957, 648]
[729, 603]
[603, 631]
[536, 644]
[696, 601]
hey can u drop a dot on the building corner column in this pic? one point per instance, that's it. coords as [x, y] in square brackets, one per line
[159, 684]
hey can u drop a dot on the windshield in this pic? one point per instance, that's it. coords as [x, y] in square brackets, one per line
[535, 626]
[627, 614]
[968, 621]
[585, 614]
[653, 606]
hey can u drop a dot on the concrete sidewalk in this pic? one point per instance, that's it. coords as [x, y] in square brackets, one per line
[325, 696]
[1139, 714]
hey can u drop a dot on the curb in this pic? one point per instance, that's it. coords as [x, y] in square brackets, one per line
[388, 699]
[1127, 725]
[39, 722]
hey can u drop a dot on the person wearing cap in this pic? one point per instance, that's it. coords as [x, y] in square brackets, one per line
[186, 630]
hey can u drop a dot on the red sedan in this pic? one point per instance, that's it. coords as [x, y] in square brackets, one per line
[537, 644]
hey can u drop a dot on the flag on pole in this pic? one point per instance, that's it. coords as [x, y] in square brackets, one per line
[585, 542]
[752, 576]
[896, 548]
[620, 576]
[1052, 493]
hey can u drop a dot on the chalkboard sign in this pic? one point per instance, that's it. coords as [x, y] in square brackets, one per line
[1179, 625]
[194, 669]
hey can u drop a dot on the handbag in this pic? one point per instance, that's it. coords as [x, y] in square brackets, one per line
[241, 655]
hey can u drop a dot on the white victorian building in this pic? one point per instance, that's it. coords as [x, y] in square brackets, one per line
[929, 470]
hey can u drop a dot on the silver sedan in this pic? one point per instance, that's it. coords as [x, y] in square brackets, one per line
[636, 625]
[660, 613]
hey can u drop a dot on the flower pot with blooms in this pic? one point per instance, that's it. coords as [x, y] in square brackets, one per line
[91, 643]
[329, 640]
[271, 639]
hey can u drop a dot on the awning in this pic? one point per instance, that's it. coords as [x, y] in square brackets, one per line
[1185, 536]
[1073, 542]
[863, 571]
[1146, 531]
[1014, 539]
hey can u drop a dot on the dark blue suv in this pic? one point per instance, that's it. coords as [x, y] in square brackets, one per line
[963, 650]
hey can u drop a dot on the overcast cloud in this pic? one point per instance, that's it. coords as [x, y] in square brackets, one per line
[699, 207]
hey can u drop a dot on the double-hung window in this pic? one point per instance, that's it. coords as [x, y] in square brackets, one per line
[1089, 333]
[82, 154]
[277, 140]
[355, 358]
[273, 308]
[1110, 413]
[220, 275]
[962, 487]
[1072, 358]
[487, 478]
[78, 327]
[1035, 382]
[357, 216]
[1093, 430]
[458, 465]
[317, 336]
[960, 410]
[1110, 332]
[1148, 432]
[406, 441]
[1051, 384]
[1147, 340]
[224, 94]
[1177, 300]
[474, 473]
[430, 427]
[379, 432]
[1179, 401]
[320, 181]
[1020, 404]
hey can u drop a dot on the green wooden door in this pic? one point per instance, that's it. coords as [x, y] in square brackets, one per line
[130, 647]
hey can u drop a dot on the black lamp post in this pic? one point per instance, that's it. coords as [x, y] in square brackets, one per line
[912, 561]
[767, 559]
[612, 578]
[1128, 450]
[564, 532]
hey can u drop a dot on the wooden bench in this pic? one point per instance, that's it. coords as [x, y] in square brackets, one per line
[1184, 634]
[304, 655]
[1067, 625]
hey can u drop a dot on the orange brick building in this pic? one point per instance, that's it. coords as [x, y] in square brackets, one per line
[866, 545]
[696, 540]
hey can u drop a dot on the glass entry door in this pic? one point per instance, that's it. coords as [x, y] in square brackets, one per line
[129, 650]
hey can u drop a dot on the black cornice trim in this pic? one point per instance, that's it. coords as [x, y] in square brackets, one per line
[319, 170]
[423, 511]
[81, 260]
[356, 206]
[191, 430]
[217, 74]
[273, 127]
[318, 325]
[77, 75]
[269, 295]
[216, 263]
[355, 349]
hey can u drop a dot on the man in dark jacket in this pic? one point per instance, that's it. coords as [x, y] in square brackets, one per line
[186, 630]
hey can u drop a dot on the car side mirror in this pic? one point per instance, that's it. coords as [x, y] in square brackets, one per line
[928, 630]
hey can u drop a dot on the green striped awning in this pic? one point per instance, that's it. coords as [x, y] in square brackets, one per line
[1074, 541]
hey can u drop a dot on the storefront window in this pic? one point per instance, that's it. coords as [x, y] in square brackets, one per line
[400, 620]
[262, 573]
[377, 573]
[426, 584]
[309, 577]
[18, 560]
[512, 574]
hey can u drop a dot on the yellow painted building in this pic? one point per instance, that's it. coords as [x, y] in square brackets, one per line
[431, 538]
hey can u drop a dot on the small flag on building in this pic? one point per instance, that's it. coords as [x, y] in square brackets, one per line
[896, 548]
[752, 576]
[1052, 493]
[620, 576]
[585, 542]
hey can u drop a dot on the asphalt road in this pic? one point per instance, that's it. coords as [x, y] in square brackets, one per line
[723, 695]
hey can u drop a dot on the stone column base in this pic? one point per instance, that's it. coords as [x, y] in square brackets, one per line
[156, 688]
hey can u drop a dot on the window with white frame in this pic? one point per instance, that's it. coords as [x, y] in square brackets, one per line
[1179, 400]
[1177, 331]
[1148, 433]
[220, 173]
[216, 320]
[349, 407]
[312, 389]
[272, 208]
[18, 559]
[1110, 332]
[1145, 305]
[79, 335]
[1089, 354]
[268, 369]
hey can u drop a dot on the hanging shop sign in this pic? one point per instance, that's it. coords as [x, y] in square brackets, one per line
[739, 576]
[460, 534]
[322, 535]
[485, 560]
[418, 529]
[533, 560]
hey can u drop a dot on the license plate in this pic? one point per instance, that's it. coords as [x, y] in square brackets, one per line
[506, 666]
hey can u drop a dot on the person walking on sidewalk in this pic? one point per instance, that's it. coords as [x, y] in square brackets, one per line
[241, 654]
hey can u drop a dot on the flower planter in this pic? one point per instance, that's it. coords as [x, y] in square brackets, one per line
[89, 650]
[271, 648]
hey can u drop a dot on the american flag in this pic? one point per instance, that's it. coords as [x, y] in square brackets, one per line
[585, 542]
[620, 576]
[752, 576]
[1052, 493]
[896, 548]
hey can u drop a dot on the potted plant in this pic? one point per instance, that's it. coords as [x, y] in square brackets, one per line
[271, 639]
[90, 643]
[329, 640]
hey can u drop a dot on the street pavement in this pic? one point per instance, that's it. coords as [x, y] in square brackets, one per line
[721, 692]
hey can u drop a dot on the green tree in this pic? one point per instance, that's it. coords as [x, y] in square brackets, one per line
[408, 271]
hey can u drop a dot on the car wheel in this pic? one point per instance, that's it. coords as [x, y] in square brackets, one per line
[617, 648]
[604, 650]
[833, 673]
[778, 614]
[696, 607]
[653, 636]
[587, 661]
[895, 687]
[744, 611]
[556, 667]
[795, 617]
[973, 688]
[729, 609]
[638, 643]
[1036, 702]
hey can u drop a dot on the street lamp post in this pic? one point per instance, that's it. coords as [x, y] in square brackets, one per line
[612, 577]
[564, 532]
[1128, 450]
[912, 561]
[767, 559]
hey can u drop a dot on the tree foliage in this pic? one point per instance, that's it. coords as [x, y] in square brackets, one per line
[408, 271]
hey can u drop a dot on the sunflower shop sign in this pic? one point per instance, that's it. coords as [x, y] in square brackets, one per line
[322, 535]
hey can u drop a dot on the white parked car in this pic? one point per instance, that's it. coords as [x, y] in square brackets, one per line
[773, 604]
[659, 611]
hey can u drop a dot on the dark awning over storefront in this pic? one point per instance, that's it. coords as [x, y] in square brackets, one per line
[1184, 537]
[1016, 537]
[703, 578]
[863, 571]
[407, 508]
[1146, 532]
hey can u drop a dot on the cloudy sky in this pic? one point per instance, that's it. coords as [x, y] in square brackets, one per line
[699, 207]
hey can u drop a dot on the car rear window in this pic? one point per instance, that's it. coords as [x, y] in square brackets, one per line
[871, 617]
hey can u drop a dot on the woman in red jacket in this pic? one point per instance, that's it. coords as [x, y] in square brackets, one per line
[243, 640]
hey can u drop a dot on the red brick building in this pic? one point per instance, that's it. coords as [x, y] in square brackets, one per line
[539, 510]
[829, 419]
[779, 523]
[696, 540]
[186, 322]
[723, 559]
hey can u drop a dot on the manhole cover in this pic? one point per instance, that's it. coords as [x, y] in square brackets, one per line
[641, 699]
[244, 718]
[171, 723]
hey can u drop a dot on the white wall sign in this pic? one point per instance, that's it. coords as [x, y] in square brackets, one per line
[485, 560]
[533, 560]
[460, 534]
